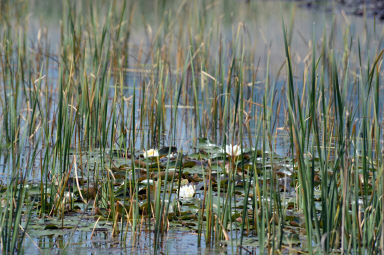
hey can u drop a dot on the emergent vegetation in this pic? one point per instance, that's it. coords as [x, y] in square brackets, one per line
[139, 125]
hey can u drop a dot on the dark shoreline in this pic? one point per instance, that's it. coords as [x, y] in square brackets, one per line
[370, 8]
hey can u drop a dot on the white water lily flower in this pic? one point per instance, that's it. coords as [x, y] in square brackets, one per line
[187, 191]
[152, 153]
[3, 203]
[146, 181]
[232, 150]
[172, 156]
[68, 196]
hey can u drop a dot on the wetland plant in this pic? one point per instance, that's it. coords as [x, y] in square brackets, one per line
[159, 123]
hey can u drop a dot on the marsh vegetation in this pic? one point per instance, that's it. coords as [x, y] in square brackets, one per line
[164, 126]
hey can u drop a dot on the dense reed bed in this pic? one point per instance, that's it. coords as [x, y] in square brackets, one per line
[172, 121]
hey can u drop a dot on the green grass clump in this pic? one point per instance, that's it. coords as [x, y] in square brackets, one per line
[81, 102]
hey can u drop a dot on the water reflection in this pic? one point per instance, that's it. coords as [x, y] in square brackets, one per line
[174, 242]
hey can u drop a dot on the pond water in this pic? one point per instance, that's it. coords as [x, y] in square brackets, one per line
[81, 242]
[262, 35]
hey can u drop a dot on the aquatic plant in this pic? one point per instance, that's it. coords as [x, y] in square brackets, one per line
[232, 150]
[152, 153]
[187, 191]
[78, 116]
